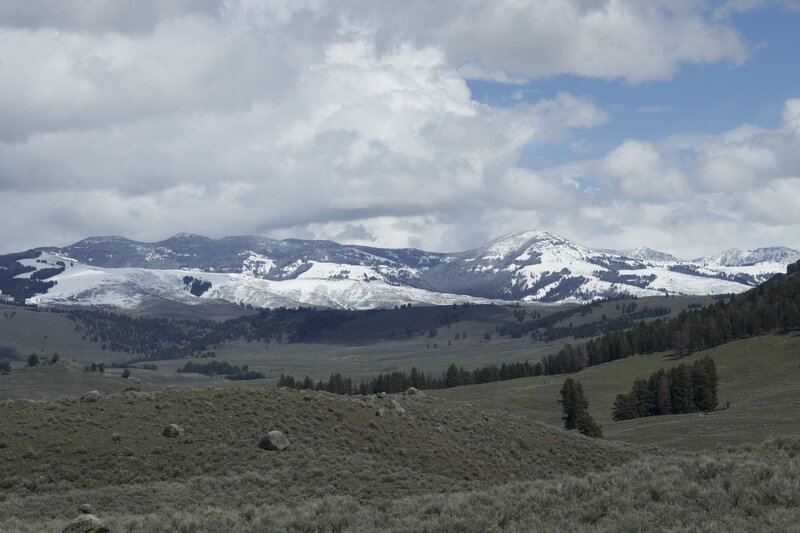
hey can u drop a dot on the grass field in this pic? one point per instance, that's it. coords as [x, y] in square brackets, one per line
[30, 331]
[111, 453]
[478, 458]
[760, 377]
[50, 381]
[425, 465]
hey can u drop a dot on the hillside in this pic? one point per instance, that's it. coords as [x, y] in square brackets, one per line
[425, 464]
[470, 458]
[61, 453]
[532, 266]
[759, 377]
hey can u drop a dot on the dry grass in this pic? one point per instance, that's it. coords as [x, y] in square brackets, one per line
[59, 454]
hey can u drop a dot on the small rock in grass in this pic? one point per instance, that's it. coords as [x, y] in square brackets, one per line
[172, 431]
[274, 440]
[91, 396]
[86, 523]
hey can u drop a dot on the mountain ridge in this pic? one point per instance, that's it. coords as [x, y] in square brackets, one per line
[533, 265]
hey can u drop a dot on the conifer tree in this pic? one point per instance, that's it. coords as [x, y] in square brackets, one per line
[681, 390]
[624, 408]
[451, 378]
[663, 400]
[575, 409]
[643, 398]
[704, 384]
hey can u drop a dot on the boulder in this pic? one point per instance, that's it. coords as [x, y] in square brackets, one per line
[172, 431]
[91, 396]
[381, 395]
[412, 391]
[274, 440]
[86, 523]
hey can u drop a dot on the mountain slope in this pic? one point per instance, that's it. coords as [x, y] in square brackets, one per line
[263, 272]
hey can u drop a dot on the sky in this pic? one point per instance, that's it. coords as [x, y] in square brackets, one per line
[425, 123]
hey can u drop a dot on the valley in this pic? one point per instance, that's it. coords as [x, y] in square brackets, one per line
[114, 422]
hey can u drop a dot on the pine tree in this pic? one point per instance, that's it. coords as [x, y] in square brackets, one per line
[704, 384]
[451, 378]
[571, 403]
[588, 427]
[681, 390]
[576, 410]
[624, 408]
[663, 400]
[643, 398]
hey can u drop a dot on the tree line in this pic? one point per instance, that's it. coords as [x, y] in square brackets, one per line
[680, 390]
[771, 306]
[222, 368]
[400, 381]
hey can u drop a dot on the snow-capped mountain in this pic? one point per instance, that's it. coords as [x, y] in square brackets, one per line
[743, 258]
[262, 272]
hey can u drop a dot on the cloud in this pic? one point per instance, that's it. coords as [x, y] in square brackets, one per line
[638, 41]
[126, 16]
[693, 193]
[350, 120]
[641, 171]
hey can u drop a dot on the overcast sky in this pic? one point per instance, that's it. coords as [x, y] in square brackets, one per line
[436, 124]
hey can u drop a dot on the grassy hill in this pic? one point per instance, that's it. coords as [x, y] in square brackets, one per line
[111, 453]
[424, 465]
[759, 377]
[66, 378]
[474, 458]
[28, 330]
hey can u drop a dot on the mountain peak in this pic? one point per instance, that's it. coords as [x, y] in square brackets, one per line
[102, 239]
[643, 253]
[514, 241]
[186, 237]
[735, 257]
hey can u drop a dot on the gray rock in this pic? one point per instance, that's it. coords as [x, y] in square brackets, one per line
[91, 396]
[274, 440]
[86, 509]
[172, 431]
[86, 523]
[412, 391]
[381, 395]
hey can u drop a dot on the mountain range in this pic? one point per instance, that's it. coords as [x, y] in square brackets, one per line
[262, 272]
